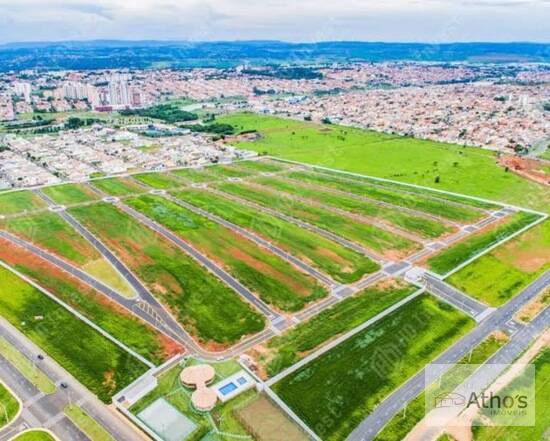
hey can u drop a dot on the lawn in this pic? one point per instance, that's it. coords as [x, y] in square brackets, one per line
[19, 202]
[413, 201]
[161, 181]
[70, 194]
[204, 305]
[459, 253]
[34, 435]
[195, 175]
[50, 231]
[370, 236]
[9, 406]
[87, 424]
[412, 223]
[402, 423]
[285, 350]
[497, 276]
[465, 170]
[26, 368]
[118, 186]
[542, 400]
[96, 362]
[342, 264]
[261, 166]
[104, 312]
[336, 391]
[275, 280]
[228, 171]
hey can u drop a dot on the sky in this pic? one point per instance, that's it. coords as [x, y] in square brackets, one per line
[436, 21]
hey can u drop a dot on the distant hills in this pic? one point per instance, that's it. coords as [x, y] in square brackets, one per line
[104, 54]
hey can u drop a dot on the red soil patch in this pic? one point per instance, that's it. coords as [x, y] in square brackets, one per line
[526, 167]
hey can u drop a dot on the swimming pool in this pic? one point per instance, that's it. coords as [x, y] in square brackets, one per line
[228, 388]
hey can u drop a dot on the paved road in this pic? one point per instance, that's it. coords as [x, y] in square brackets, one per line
[47, 410]
[258, 240]
[378, 418]
[488, 373]
[324, 233]
[451, 295]
[206, 262]
[159, 320]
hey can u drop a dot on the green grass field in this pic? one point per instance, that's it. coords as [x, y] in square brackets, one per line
[497, 276]
[260, 166]
[453, 256]
[34, 435]
[96, 362]
[19, 202]
[161, 181]
[413, 201]
[103, 312]
[195, 175]
[287, 349]
[352, 378]
[364, 234]
[465, 170]
[542, 400]
[228, 171]
[275, 280]
[49, 231]
[118, 186]
[208, 309]
[408, 222]
[70, 194]
[402, 423]
[9, 406]
[342, 264]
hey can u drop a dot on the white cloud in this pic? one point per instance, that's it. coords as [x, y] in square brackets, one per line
[298, 20]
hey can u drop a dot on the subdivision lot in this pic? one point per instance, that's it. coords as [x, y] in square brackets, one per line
[342, 264]
[283, 351]
[209, 310]
[542, 400]
[365, 189]
[261, 166]
[196, 175]
[370, 236]
[9, 406]
[402, 423]
[352, 378]
[118, 186]
[102, 311]
[453, 256]
[161, 181]
[69, 194]
[497, 276]
[49, 231]
[275, 280]
[464, 170]
[228, 171]
[19, 202]
[415, 224]
[96, 362]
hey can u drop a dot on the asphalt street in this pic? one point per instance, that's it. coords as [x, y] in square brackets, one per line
[378, 418]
